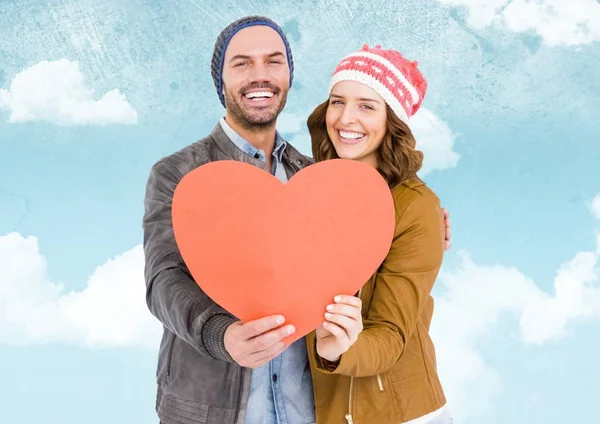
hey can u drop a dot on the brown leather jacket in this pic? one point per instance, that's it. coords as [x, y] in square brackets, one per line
[389, 375]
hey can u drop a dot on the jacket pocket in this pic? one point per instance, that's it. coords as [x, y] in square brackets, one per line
[370, 403]
[414, 397]
[412, 362]
[170, 353]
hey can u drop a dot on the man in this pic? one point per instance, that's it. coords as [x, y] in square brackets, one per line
[212, 368]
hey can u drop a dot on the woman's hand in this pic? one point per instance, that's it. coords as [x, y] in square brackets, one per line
[341, 329]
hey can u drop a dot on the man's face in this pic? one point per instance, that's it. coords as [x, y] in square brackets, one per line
[256, 77]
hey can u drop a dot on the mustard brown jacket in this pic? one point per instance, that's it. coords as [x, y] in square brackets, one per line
[389, 375]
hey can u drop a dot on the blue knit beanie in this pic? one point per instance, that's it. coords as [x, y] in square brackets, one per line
[225, 37]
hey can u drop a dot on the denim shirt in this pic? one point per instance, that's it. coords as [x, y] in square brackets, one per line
[281, 390]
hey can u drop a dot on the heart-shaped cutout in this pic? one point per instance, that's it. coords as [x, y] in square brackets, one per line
[259, 247]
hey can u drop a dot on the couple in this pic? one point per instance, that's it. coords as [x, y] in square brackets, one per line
[372, 361]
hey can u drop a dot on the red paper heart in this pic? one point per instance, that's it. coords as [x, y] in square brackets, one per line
[258, 247]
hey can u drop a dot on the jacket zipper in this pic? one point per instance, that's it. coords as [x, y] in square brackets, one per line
[349, 414]
[380, 383]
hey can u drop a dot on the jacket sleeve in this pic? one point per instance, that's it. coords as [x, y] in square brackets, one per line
[171, 293]
[402, 287]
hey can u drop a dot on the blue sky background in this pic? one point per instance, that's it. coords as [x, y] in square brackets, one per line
[509, 128]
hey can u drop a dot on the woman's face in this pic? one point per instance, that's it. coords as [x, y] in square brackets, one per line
[356, 121]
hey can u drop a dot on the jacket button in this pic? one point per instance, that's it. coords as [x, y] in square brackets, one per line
[274, 378]
[299, 161]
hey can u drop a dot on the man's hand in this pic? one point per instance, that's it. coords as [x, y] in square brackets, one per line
[447, 228]
[255, 343]
[341, 329]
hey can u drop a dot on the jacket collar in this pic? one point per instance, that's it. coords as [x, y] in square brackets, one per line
[292, 159]
[248, 148]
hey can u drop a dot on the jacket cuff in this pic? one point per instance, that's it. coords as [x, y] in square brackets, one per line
[347, 365]
[328, 365]
[324, 364]
[213, 336]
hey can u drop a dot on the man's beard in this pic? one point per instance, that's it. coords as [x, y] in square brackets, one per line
[251, 118]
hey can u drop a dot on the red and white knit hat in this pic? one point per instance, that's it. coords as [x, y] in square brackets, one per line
[395, 78]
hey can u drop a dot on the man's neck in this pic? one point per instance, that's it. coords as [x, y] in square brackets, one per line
[261, 138]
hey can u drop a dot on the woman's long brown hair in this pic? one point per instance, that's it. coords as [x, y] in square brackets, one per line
[397, 157]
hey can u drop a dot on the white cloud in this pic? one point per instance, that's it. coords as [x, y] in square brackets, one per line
[435, 139]
[577, 296]
[55, 91]
[111, 311]
[558, 22]
[4, 99]
[476, 296]
[475, 299]
[595, 207]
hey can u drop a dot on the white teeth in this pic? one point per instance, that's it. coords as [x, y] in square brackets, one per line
[351, 135]
[267, 94]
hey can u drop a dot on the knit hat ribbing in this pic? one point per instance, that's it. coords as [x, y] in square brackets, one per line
[225, 37]
[395, 78]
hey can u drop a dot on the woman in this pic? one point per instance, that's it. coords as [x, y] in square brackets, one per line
[372, 360]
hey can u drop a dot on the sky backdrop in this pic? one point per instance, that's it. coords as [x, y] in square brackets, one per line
[92, 93]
